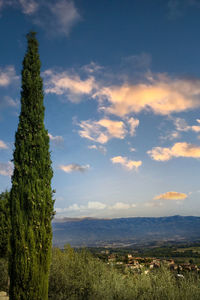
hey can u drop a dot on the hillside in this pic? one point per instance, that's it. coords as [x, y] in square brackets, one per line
[124, 231]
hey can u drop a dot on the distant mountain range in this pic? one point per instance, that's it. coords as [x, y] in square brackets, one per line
[123, 232]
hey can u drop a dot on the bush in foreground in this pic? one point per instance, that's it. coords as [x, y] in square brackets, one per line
[78, 275]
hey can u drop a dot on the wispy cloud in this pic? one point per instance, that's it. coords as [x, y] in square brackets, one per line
[74, 168]
[103, 130]
[55, 17]
[100, 148]
[71, 86]
[181, 125]
[7, 76]
[126, 163]
[178, 150]
[57, 140]
[171, 196]
[29, 7]
[177, 8]
[173, 135]
[6, 169]
[133, 123]
[3, 145]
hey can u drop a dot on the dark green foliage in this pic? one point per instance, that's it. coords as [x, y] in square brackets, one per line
[31, 203]
[79, 276]
[3, 274]
[4, 223]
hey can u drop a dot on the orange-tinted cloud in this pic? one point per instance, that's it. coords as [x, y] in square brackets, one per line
[162, 95]
[178, 150]
[127, 163]
[171, 196]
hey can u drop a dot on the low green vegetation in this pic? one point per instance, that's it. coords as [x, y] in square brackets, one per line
[78, 275]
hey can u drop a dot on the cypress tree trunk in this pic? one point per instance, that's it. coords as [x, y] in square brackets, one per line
[31, 203]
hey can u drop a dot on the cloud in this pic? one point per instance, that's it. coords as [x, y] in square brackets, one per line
[121, 205]
[158, 93]
[71, 86]
[131, 149]
[103, 130]
[127, 163]
[29, 7]
[7, 76]
[6, 169]
[140, 61]
[177, 8]
[171, 196]
[181, 125]
[74, 168]
[55, 17]
[3, 145]
[96, 206]
[133, 123]
[178, 150]
[171, 136]
[100, 148]
[56, 139]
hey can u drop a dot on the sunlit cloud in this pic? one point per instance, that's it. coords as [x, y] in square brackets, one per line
[6, 169]
[159, 94]
[74, 168]
[133, 123]
[171, 196]
[103, 130]
[7, 76]
[3, 145]
[178, 150]
[126, 163]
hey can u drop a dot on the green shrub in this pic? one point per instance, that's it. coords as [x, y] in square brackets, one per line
[3, 275]
[78, 275]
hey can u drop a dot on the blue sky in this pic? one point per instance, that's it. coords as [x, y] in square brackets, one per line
[122, 99]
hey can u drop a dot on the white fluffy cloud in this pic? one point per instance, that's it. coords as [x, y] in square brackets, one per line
[126, 163]
[178, 150]
[96, 206]
[71, 86]
[6, 169]
[7, 76]
[171, 196]
[74, 168]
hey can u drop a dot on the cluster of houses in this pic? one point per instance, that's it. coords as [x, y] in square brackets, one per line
[138, 263]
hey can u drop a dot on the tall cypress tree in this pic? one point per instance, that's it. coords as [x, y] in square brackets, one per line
[31, 203]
